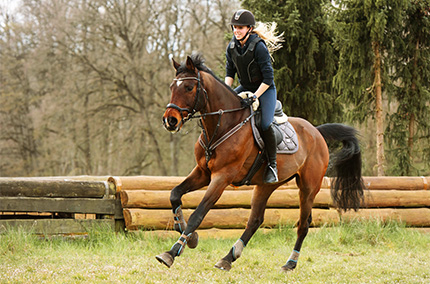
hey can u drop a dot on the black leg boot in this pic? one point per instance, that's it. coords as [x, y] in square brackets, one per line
[269, 138]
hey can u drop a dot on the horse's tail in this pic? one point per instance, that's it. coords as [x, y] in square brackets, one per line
[347, 186]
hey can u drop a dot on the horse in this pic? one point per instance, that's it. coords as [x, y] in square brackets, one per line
[226, 150]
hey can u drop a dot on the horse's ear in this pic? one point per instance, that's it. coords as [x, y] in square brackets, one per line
[175, 64]
[190, 64]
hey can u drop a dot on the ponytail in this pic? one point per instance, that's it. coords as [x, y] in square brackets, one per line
[267, 31]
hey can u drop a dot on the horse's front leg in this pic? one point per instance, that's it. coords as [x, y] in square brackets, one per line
[213, 193]
[195, 180]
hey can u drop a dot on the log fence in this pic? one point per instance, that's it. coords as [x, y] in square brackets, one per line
[56, 205]
[142, 202]
[146, 205]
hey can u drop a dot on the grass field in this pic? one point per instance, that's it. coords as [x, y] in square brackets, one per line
[370, 252]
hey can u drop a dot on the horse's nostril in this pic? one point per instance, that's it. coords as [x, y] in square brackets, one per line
[172, 121]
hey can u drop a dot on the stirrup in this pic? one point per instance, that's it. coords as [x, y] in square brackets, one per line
[271, 175]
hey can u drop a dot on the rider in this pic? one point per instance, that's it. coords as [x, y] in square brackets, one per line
[249, 57]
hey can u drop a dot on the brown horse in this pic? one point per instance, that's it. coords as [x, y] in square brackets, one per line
[226, 151]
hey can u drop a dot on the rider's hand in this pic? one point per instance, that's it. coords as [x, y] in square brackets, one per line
[248, 101]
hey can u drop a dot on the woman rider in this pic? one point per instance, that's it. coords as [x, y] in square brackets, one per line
[249, 57]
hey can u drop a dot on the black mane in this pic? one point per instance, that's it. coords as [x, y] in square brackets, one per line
[199, 63]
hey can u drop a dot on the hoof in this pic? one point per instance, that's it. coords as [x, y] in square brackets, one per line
[165, 258]
[223, 265]
[289, 266]
[193, 241]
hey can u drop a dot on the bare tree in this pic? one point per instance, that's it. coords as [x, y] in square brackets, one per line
[95, 76]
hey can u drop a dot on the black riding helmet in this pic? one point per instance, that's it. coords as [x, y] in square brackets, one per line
[243, 18]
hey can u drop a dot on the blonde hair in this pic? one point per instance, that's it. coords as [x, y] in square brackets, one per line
[267, 31]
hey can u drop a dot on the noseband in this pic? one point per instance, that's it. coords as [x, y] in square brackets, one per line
[194, 110]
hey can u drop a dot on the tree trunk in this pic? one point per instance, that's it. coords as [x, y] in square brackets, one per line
[86, 147]
[174, 152]
[380, 157]
[158, 157]
[411, 133]
[412, 115]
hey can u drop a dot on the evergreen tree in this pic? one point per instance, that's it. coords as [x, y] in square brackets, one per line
[364, 30]
[305, 66]
[409, 126]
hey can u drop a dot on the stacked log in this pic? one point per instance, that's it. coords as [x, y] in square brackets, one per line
[146, 203]
[54, 205]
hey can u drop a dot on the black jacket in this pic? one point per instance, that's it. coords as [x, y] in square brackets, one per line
[251, 62]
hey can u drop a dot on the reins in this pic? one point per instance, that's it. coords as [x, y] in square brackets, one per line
[208, 145]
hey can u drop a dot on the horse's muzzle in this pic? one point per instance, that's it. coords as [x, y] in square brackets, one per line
[171, 121]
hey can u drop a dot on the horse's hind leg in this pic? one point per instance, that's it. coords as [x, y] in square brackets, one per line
[309, 186]
[258, 206]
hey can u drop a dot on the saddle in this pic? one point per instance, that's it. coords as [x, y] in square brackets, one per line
[286, 138]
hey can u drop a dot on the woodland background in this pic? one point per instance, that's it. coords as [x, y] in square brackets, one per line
[84, 83]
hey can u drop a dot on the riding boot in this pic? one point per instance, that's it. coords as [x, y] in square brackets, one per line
[270, 145]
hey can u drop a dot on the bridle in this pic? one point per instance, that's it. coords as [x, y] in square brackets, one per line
[194, 110]
[208, 144]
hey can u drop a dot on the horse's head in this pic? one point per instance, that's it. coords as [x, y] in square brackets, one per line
[188, 96]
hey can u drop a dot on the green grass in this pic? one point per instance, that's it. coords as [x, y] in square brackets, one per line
[370, 252]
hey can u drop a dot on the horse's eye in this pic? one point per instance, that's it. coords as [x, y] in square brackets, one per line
[189, 88]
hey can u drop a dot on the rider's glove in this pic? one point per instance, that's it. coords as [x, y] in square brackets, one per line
[248, 98]
[248, 101]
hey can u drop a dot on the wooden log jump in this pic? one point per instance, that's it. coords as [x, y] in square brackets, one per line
[50, 205]
[146, 203]
[143, 202]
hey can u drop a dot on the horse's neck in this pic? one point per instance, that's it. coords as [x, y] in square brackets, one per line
[221, 98]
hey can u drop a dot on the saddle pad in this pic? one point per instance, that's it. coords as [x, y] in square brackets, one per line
[289, 143]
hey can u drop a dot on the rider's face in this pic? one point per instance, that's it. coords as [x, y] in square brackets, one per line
[240, 31]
